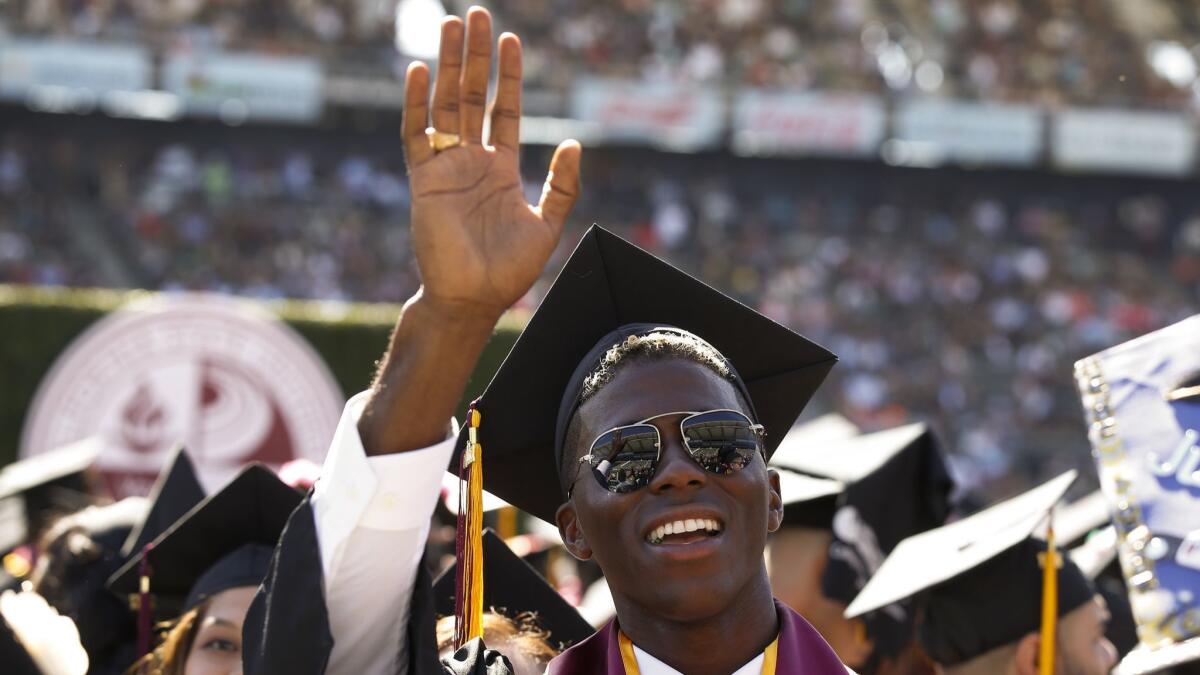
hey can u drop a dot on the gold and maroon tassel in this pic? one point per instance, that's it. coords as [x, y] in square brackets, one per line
[468, 599]
[1050, 565]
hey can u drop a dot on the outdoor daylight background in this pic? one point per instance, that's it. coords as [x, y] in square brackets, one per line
[958, 197]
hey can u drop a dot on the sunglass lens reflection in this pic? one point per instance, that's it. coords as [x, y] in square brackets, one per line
[625, 459]
[721, 442]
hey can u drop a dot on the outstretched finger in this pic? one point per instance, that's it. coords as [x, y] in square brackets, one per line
[562, 184]
[477, 67]
[449, 70]
[416, 114]
[506, 107]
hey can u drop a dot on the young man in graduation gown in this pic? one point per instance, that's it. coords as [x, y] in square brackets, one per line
[650, 457]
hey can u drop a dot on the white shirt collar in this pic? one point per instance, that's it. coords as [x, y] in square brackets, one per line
[648, 665]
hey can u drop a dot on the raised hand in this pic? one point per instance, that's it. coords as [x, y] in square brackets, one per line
[479, 244]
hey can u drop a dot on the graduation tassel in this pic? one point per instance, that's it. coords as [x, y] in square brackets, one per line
[145, 622]
[468, 600]
[1050, 566]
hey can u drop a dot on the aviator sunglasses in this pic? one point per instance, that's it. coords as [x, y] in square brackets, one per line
[626, 458]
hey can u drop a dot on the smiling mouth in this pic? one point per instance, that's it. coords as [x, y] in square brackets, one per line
[684, 531]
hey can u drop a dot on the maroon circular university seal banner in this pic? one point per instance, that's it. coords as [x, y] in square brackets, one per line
[221, 375]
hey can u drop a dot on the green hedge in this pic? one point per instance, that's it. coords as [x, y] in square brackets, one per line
[36, 324]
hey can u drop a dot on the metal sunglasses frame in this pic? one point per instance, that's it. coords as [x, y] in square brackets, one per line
[757, 429]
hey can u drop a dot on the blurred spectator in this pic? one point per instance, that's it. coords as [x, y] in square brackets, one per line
[1094, 52]
[963, 297]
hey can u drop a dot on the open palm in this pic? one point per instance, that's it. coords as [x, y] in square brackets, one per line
[478, 243]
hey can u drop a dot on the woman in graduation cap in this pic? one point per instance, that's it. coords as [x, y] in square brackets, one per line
[636, 411]
[201, 574]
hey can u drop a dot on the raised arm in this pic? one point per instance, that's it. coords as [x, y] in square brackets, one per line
[339, 598]
[479, 245]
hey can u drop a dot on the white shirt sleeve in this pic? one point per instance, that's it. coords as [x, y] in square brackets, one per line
[372, 518]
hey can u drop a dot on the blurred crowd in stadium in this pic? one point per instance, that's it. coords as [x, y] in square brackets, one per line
[1095, 51]
[961, 295]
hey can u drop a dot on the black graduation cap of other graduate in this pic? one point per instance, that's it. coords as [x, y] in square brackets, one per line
[78, 555]
[225, 542]
[897, 485]
[810, 500]
[34, 491]
[610, 289]
[979, 579]
[512, 587]
[175, 492]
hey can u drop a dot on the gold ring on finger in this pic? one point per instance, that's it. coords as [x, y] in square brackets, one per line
[441, 140]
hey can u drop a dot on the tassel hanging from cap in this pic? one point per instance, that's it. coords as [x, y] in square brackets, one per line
[468, 600]
[1050, 565]
[145, 620]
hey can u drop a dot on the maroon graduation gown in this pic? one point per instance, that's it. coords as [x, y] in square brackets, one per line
[802, 651]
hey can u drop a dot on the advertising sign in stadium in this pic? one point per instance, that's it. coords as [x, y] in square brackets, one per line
[973, 133]
[29, 65]
[239, 87]
[229, 381]
[664, 115]
[1124, 140]
[781, 123]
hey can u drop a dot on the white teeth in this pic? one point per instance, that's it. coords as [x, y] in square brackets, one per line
[681, 526]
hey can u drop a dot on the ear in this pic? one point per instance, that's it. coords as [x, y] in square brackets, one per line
[1026, 657]
[775, 505]
[571, 531]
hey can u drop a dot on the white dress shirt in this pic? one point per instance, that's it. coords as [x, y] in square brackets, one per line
[372, 518]
[648, 665]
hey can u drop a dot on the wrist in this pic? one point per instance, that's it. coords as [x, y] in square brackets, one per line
[453, 314]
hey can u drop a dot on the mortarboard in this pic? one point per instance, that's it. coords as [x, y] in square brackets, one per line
[994, 550]
[897, 485]
[36, 489]
[1142, 402]
[608, 290]
[175, 492]
[72, 575]
[224, 542]
[512, 587]
[810, 500]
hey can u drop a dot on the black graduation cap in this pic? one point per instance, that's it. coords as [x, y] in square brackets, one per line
[35, 490]
[224, 542]
[512, 587]
[809, 499]
[175, 492]
[74, 580]
[979, 579]
[608, 284]
[897, 485]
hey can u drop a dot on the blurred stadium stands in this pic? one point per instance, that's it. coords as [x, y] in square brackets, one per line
[959, 197]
